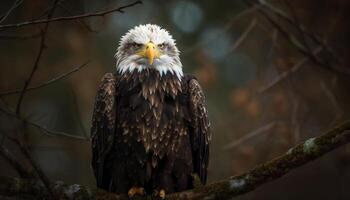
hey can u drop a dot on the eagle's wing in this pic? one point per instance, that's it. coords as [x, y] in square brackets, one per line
[199, 129]
[103, 124]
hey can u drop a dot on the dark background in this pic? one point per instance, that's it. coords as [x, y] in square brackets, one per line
[235, 53]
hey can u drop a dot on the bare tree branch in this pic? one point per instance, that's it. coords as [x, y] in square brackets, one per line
[22, 146]
[302, 32]
[292, 39]
[51, 81]
[24, 149]
[44, 130]
[15, 163]
[86, 15]
[263, 129]
[243, 35]
[36, 64]
[297, 156]
[228, 25]
[38, 57]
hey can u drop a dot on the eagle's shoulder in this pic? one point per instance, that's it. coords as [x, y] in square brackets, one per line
[195, 92]
[185, 81]
[104, 104]
[188, 77]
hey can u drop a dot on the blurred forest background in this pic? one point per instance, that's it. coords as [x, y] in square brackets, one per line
[270, 83]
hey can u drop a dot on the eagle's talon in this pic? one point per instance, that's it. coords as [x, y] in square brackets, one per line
[136, 191]
[155, 193]
[162, 194]
[159, 194]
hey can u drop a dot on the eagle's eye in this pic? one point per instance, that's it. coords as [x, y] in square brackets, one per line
[161, 46]
[136, 45]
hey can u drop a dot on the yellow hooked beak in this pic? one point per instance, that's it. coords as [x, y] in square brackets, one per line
[150, 51]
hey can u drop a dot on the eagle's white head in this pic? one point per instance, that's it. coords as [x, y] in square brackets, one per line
[148, 46]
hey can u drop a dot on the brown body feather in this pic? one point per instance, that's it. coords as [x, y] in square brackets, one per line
[149, 131]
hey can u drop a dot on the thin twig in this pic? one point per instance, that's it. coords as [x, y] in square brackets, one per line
[78, 21]
[49, 132]
[246, 137]
[13, 7]
[49, 82]
[302, 32]
[45, 12]
[315, 38]
[44, 130]
[240, 15]
[243, 35]
[285, 74]
[291, 39]
[35, 67]
[295, 20]
[86, 15]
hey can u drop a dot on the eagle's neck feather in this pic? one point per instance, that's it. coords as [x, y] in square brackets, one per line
[170, 67]
[175, 70]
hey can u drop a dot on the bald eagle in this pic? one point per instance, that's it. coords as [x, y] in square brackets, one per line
[150, 129]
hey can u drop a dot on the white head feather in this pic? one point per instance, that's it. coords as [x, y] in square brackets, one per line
[129, 61]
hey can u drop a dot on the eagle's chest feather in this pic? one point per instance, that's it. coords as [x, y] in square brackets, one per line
[152, 111]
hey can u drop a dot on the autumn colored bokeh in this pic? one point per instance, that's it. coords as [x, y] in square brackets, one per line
[264, 94]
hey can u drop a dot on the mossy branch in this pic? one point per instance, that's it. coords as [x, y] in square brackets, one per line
[297, 156]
